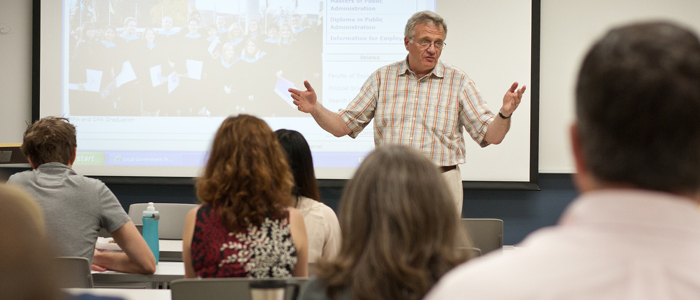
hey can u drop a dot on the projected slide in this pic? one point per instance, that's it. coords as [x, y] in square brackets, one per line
[148, 82]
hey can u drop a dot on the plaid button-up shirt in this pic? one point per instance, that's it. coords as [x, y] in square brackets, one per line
[427, 114]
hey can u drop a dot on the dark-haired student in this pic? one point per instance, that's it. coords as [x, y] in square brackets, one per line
[322, 227]
[76, 207]
[634, 233]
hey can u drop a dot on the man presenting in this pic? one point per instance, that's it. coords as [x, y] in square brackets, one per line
[420, 102]
[634, 233]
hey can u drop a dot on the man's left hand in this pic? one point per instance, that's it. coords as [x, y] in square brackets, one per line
[511, 99]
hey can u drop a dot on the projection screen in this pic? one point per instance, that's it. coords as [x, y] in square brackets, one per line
[147, 82]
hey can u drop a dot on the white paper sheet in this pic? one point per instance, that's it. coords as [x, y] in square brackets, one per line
[194, 68]
[173, 82]
[94, 79]
[282, 90]
[212, 46]
[156, 75]
[126, 75]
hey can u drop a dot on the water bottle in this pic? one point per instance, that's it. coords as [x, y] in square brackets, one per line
[150, 229]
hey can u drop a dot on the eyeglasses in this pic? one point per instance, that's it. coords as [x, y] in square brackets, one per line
[426, 44]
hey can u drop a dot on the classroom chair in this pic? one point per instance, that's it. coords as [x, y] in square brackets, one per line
[74, 272]
[230, 288]
[172, 218]
[486, 234]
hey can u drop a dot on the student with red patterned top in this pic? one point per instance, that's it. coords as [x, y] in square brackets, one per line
[245, 227]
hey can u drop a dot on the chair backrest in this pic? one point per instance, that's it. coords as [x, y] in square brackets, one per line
[172, 218]
[486, 234]
[74, 272]
[473, 251]
[225, 288]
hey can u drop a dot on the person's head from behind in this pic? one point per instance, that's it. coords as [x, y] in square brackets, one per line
[400, 230]
[27, 269]
[300, 161]
[424, 38]
[637, 107]
[247, 177]
[50, 139]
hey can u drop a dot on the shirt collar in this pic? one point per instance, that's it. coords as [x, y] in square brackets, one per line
[632, 207]
[438, 71]
[53, 168]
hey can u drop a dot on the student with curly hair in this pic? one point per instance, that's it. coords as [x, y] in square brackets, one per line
[245, 227]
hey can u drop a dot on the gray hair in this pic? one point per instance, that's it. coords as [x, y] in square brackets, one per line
[424, 17]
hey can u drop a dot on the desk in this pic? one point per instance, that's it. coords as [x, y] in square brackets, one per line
[170, 250]
[128, 294]
[165, 273]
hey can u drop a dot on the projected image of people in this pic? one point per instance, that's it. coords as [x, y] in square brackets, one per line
[195, 58]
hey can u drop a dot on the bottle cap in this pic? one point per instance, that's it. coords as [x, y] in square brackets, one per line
[151, 207]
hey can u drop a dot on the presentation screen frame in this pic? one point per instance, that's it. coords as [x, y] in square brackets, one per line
[533, 91]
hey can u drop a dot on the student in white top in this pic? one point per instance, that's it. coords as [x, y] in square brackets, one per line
[322, 227]
[634, 233]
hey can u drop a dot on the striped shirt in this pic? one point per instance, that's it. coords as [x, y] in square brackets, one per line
[427, 114]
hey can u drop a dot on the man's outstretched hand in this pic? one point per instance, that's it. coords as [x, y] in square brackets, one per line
[304, 100]
[511, 99]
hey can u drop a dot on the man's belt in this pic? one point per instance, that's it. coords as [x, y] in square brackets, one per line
[444, 169]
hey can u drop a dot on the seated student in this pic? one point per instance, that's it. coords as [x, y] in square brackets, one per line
[77, 207]
[400, 231]
[634, 233]
[245, 227]
[322, 228]
[27, 269]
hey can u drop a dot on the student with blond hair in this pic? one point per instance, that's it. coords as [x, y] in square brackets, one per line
[26, 264]
[400, 231]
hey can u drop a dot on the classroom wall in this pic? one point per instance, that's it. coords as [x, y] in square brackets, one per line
[15, 68]
[568, 28]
